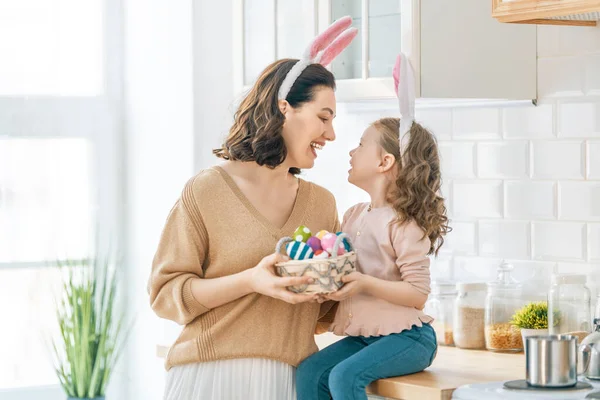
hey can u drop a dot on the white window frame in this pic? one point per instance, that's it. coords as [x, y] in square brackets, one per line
[103, 129]
[21, 115]
[49, 392]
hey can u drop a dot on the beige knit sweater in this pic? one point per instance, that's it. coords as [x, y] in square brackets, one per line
[214, 231]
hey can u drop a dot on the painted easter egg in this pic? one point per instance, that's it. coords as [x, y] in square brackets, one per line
[320, 255]
[314, 243]
[344, 241]
[302, 234]
[320, 234]
[328, 242]
[299, 251]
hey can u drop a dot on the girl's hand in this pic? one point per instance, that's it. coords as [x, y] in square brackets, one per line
[354, 283]
[264, 280]
[321, 298]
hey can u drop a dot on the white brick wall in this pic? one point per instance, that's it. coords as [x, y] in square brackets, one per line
[558, 159]
[523, 183]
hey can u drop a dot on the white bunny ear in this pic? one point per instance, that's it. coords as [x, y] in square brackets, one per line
[404, 82]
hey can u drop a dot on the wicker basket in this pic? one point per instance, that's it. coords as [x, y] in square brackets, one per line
[327, 273]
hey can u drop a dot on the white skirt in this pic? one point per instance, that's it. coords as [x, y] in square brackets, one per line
[243, 379]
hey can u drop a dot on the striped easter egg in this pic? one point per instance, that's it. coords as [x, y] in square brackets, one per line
[299, 250]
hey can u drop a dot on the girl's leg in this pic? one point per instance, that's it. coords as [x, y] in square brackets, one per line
[386, 356]
[312, 374]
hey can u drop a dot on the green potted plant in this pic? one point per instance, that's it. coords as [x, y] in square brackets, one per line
[532, 319]
[90, 325]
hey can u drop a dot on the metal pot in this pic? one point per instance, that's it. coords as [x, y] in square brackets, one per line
[551, 361]
[589, 353]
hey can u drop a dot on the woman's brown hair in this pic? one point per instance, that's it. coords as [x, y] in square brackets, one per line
[256, 131]
[416, 192]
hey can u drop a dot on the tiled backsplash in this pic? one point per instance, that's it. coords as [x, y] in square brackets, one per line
[522, 182]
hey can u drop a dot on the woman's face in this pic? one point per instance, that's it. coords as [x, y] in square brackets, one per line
[307, 128]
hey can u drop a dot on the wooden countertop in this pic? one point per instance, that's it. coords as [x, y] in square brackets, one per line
[451, 368]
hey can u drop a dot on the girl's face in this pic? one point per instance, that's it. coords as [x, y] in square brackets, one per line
[307, 128]
[366, 159]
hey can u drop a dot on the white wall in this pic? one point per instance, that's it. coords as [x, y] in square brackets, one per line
[178, 95]
[213, 83]
[522, 183]
[160, 159]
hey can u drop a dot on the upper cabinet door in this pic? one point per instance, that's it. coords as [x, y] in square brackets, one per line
[363, 71]
[550, 12]
[465, 53]
[268, 30]
[455, 47]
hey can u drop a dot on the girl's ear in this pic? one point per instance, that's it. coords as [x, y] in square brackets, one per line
[387, 162]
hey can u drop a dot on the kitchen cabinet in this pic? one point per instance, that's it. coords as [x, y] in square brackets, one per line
[550, 12]
[456, 48]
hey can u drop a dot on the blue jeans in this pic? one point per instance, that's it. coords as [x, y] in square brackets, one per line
[343, 370]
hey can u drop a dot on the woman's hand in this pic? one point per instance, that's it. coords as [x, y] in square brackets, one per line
[354, 283]
[264, 280]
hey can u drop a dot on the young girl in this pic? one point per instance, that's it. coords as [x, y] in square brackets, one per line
[380, 304]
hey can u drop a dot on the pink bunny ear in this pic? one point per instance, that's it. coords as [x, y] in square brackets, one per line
[338, 46]
[325, 38]
[322, 50]
[396, 73]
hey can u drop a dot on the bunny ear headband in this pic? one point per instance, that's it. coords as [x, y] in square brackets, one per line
[322, 50]
[404, 84]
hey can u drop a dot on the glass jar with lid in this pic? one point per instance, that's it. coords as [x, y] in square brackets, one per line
[504, 298]
[469, 316]
[597, 312]
[569, 305]
[440, 306]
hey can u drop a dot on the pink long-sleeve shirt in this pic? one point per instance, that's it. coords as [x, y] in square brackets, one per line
[385, 250]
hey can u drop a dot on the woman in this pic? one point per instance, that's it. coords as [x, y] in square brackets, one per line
[244, 333]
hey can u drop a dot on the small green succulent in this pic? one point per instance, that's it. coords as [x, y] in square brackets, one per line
[532, 316]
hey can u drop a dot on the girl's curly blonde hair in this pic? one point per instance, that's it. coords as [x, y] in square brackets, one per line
[416, 192]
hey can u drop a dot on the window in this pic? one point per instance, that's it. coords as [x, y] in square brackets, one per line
[45, 199]
[46, 213]
[28, 308]
[59, 157]
[51, 47]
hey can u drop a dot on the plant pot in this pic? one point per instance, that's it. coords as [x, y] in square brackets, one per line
[532, 332]
[84, 398]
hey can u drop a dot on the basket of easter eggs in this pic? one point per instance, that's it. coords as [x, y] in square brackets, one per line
[325, 257]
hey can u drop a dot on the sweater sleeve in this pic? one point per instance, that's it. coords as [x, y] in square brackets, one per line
[178, 262]
[411, 250]
[336, 222]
